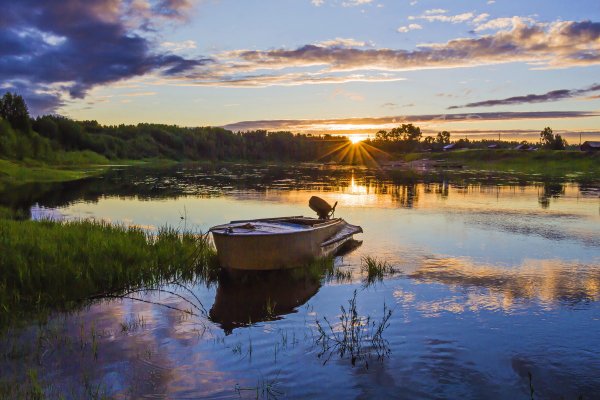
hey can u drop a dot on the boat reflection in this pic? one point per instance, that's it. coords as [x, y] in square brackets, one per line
[249, 297]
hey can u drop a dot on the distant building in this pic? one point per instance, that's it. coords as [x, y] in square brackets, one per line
[525, 147]
[451, 146]
[493, 146]
[590, 146]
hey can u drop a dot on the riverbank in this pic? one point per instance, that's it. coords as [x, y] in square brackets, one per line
[49, 265]
[545, 162]
[12, 172]
[80, 166]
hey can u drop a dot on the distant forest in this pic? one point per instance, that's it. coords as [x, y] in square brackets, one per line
[54, 138]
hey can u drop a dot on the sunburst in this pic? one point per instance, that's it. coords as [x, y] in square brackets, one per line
[355, 151]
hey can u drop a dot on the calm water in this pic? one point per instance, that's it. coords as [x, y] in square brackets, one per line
[498, 276]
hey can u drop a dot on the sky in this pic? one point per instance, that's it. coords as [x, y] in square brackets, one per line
[473, 67]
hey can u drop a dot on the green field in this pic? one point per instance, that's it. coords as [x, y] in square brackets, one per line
[546, 162]
[15, 173]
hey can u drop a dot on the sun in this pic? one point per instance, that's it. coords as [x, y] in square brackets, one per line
[356, 138]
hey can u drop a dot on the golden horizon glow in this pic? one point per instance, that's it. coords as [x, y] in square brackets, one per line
[356, 138]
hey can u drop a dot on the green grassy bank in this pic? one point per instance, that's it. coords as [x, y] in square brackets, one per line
[58, 265]
[16, 173]
[547, 162]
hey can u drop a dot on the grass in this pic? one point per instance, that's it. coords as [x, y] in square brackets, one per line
[355, 336]
[264, 389]
[50, 265]
[13, 173]
[375, 269]
[66, 166]
[546, 162]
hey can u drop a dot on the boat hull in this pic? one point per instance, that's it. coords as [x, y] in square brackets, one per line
[279, 250]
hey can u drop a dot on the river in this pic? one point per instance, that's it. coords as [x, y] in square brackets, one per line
[495, 289]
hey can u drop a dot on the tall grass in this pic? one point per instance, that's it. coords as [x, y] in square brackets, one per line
[375, 269]
[58, 265]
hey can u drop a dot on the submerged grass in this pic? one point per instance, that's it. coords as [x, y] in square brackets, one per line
[355, 336]
[57, 265]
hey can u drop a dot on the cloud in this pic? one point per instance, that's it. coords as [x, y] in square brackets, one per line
[355, 3]
[442, 17]
[179, 46]
[435, 11]
[410, 27]
[553, 95]
[480, 18]
[382, 122]
[557, 45]
[503, 23]
[71, 46]
[276, 79]
[342, 42]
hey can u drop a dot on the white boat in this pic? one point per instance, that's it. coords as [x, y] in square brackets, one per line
[279, 243]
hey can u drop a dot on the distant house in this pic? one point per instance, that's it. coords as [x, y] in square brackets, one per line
[451, 146]
[493, 146]
[590, 146]
[524, 147]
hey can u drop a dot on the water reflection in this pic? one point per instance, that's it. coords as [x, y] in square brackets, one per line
[551, 191]
[550, 283]
[248, 298]
[499, 276]
[353, 186]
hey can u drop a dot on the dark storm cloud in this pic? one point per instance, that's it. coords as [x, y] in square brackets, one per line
[77, 45]
[553, 95]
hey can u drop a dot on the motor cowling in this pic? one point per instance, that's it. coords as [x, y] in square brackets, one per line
[321, 207]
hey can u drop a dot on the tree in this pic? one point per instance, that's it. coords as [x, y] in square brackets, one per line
[14, 110]
[551, 141]
[412, 133]
[382, 135]
[443, 137]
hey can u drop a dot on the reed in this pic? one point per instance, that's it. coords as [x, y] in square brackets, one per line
[51, 265]
[375, 269]
[358, 337]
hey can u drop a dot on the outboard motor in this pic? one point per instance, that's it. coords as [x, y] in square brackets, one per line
[321, 207]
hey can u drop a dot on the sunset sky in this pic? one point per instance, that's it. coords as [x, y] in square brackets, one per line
[476, 66]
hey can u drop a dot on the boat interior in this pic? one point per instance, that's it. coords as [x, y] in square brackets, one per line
[298, 220]
[308, 221]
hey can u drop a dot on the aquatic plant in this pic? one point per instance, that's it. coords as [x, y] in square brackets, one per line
[49, 265]
[264, 389]
[375, 269]
[358, 337]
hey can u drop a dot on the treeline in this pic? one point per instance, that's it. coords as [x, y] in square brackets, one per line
[50, 137]
[59, 139]
[408, 138]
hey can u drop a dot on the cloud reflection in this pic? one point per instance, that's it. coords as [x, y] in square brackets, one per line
[549, 283]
